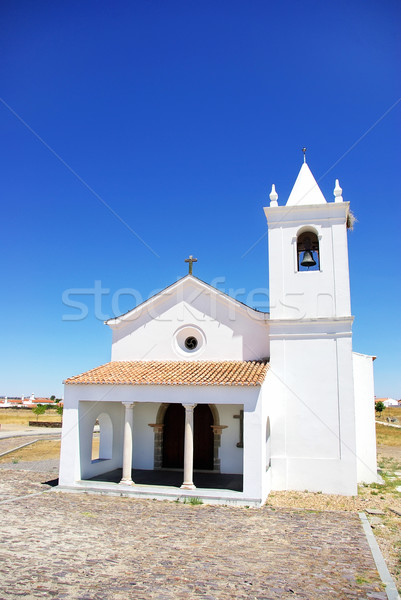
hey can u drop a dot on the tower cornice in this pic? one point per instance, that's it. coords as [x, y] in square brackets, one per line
[281, 216]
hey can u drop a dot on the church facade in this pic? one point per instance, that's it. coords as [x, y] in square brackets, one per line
[207, 397]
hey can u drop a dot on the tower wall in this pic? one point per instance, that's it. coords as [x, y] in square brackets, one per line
[313, 439]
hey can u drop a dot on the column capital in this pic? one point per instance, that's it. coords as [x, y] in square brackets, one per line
[128, 404]
[156, 426]
[189, 407]
[218, 428]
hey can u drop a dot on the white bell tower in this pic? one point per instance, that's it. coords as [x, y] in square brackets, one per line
[307, 223]
[311, 341]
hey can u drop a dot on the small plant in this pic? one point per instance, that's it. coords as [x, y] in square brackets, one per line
[379, 407]
[193, 500]
[362, 580]
[15, 461]
[59, 410]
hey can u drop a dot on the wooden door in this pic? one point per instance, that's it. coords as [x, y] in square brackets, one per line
[203, 437]
[173, 437]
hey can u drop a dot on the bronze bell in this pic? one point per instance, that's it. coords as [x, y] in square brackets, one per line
[308, 260]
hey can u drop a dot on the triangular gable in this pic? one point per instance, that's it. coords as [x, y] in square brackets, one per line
[176, 289]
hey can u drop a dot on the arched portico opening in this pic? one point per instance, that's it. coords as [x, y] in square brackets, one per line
[102, 438]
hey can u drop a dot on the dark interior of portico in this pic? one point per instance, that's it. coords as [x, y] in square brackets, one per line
[174, 478]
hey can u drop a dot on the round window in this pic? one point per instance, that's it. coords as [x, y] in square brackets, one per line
[191, 343]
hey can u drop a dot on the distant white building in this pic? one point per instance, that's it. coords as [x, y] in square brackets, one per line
[388, 401]
[201, 383]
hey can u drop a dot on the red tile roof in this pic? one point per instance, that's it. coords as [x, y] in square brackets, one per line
[175, 373]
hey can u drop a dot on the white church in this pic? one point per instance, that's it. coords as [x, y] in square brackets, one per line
[207, 397]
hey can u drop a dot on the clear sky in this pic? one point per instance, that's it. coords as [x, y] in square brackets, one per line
[179, 116]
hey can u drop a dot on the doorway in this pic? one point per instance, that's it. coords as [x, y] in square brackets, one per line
[173, 437]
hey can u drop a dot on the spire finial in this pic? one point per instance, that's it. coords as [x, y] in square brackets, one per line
[304, 151]
[273, 196]
[190, 260]
[338, 192]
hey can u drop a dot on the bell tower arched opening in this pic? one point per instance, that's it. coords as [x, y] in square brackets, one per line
[308, 256]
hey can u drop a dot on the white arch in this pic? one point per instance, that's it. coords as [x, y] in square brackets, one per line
[106, 436]
[309, 229]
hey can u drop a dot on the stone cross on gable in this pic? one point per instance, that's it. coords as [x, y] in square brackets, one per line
[190, 260]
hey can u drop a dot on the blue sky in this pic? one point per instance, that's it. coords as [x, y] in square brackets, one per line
[180, 115]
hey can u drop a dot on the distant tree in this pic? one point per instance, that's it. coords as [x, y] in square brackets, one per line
[379, 406]
[53, 398]
[40, 409]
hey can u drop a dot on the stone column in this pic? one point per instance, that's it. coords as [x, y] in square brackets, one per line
[188, 483]
[127, 448]
[157, 444]
[217, 431]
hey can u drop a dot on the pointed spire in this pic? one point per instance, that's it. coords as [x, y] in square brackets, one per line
[306, 189]
[338, 192]
[304, 151]
[273, 196]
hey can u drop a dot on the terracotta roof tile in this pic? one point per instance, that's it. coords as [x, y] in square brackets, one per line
[162, 372]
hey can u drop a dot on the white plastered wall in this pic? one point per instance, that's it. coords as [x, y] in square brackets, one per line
[227, 330]
[231, 457]
[365, 418]
[143, 435]
[310, 385]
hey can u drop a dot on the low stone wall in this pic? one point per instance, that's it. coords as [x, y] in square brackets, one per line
[55, 424]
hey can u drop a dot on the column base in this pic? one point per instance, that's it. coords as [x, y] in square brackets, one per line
[126, 482]
[188, 486]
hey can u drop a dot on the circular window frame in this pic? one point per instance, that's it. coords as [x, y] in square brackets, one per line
[183, 334]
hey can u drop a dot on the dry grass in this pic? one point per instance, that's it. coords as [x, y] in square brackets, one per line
[41, 450]
[95, 446]
[15, 416]
[391, 412]
[388, 436]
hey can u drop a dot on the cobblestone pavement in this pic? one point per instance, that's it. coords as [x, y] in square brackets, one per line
[91, 547]
[7, 444]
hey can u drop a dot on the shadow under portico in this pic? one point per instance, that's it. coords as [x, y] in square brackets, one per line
[174, 478]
